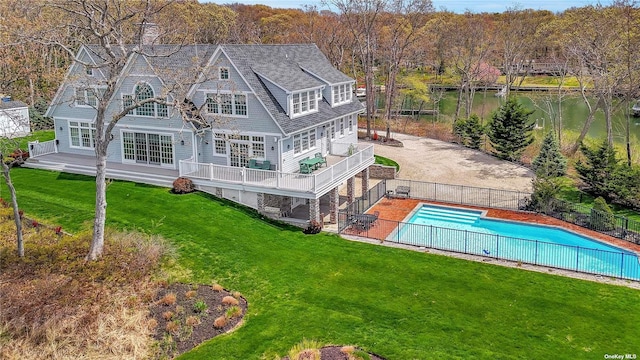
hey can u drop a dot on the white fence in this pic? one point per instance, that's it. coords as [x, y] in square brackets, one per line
[277, 179]
[37, 148]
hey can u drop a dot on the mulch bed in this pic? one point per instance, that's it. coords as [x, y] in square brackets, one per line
[187, 336]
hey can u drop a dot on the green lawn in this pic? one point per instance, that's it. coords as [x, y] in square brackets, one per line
[386, 161]
[22, 143]
[397, 303]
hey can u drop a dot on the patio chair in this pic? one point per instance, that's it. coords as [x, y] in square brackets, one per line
[266, 165]
[305, 169]
[323, 161]
[253, 164]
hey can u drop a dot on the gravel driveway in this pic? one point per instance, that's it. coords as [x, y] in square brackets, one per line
[437, 161]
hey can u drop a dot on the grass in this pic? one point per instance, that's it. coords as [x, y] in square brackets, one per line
[23, 142]
[396, 303]
[386, 161]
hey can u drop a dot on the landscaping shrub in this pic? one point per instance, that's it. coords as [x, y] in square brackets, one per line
[313, 228]
[602, 217]
[230, 300]
[183, 186]
[220, 322]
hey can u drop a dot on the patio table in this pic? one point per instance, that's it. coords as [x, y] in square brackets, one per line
[312, 162]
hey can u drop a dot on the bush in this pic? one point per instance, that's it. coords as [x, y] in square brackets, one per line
[313, 228]
[183, 186]
[602, 217]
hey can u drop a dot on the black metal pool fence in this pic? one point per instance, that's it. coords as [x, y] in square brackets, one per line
[613, 225]
[617, 264]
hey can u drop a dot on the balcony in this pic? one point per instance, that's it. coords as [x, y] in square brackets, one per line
[313, 185]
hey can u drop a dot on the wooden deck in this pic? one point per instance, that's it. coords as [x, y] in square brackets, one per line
[86, 165]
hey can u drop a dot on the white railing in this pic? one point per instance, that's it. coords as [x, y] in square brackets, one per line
[278, 179]
[343, 149]
[37, 148]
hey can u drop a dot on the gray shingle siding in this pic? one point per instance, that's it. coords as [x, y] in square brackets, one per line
[291, 67]
[246, 57]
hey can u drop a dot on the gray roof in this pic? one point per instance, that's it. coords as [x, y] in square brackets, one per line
[285, 65]
[164, 57]
[271, 59]
[13, 104]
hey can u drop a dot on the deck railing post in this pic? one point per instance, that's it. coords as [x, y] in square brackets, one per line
[210, 172]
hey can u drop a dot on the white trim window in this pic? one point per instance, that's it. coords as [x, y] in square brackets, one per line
[227, 104]
[239, 148]
[219, 144]
[350, 125]
[304, 102]
[82, 134]
[304, 141]
[333, 130]
[147, 148]
[341, 127]
[87, 97]
[144, 91]
[342, 94]
[223, 73]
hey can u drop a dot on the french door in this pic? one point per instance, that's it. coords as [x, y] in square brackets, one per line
[147, 148]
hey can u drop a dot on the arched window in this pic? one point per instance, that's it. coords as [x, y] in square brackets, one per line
[144, 91]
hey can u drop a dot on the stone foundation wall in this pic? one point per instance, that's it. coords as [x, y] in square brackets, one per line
[377, 171]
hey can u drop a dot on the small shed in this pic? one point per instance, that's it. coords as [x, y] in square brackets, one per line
[14, 118]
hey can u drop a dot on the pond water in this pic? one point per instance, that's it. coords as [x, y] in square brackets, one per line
[574, 113]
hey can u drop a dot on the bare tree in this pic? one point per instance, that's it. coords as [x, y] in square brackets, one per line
[401, 28]
[113, 33]
[516, 32]
[592, 40]
[361, 18]
[13, 123]
[469, 50]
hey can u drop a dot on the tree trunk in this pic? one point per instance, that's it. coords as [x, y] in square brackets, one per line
[97, 243]
[585, 130]
[14, 202]
[459, 102]
[371, 96]
[607, 118]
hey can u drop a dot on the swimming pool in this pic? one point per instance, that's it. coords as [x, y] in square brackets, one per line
[468, 231]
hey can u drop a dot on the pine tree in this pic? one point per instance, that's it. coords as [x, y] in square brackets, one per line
[598, 169]
[550, 162]
[510, 130]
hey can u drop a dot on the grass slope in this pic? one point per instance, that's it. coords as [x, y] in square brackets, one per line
[397, 303]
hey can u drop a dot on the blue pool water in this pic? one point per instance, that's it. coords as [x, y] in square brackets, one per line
[467, 231]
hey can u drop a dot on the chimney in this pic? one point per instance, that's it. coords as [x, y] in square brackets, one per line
[150, 33]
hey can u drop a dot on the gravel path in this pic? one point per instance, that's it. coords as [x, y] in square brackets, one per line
[437, 161]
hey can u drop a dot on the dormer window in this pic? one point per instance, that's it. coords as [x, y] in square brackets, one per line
[304, 102]
[341, 94]
[224, 73]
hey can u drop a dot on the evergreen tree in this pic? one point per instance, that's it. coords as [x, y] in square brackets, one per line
[469, 131]
[474, 132]
[510, 130]
[550, 162]
[598, 169]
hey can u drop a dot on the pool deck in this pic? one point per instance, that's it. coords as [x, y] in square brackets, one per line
[397, 209]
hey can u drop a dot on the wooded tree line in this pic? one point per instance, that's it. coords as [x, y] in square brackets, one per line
[372, 40]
